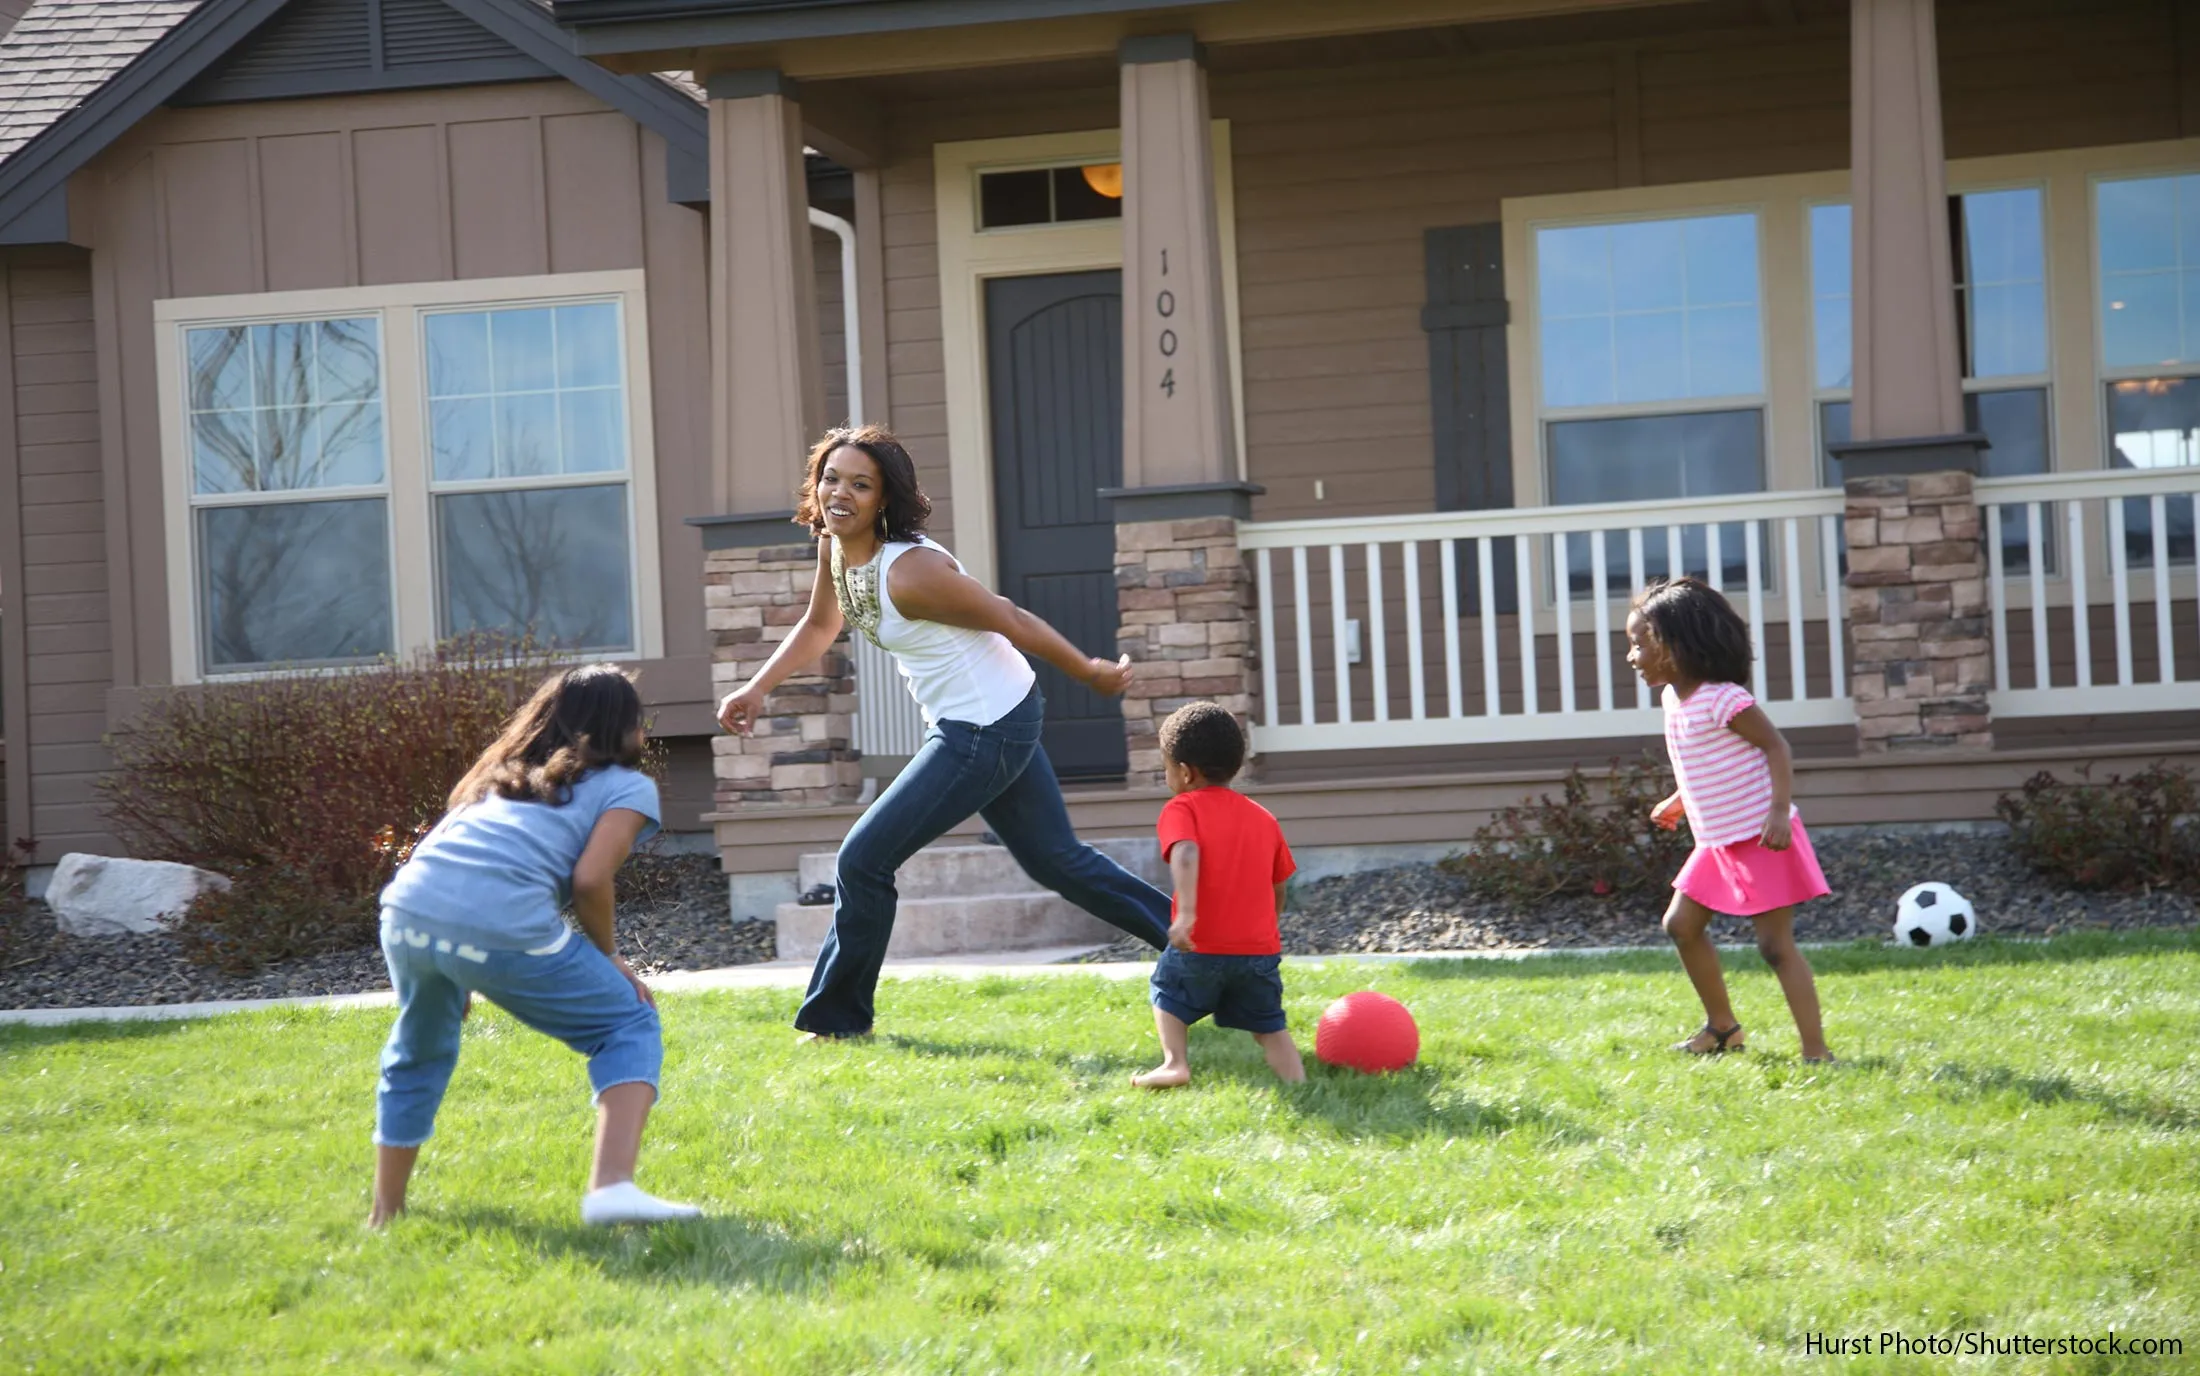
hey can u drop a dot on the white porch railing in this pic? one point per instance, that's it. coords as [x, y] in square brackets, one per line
[1445, 629]
[2137, 647]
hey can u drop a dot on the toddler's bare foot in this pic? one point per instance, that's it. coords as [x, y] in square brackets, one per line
[1164, 1076]
[379, 1217]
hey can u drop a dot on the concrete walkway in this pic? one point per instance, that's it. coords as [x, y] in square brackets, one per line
[793, 974]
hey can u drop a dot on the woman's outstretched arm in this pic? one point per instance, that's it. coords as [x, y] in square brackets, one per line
[819, 628]
[926, 586]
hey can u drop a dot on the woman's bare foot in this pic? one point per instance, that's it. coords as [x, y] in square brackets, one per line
[1710, 1042]
[379, 1217]
[1167, 1075]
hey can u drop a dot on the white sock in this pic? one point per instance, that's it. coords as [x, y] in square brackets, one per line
[627, 1202]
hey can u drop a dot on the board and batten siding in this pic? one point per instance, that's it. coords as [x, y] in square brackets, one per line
[56, 717]
[505, 181]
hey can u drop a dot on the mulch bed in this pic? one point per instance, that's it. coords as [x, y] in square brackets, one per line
[1421, 908]
[672, 916]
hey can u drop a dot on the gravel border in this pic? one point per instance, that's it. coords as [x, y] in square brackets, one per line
[672, 916]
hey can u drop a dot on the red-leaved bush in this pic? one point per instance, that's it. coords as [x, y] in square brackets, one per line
[307, 789]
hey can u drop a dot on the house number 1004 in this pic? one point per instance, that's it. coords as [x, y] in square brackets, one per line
[1164, 305]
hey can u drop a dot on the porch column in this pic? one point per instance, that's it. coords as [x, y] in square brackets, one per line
[1916, 588]
[768, 407]
[1185, 600]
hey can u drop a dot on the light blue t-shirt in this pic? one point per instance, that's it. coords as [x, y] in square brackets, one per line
[498, 872]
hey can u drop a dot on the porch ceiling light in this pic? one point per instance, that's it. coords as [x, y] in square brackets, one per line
[1106, 179]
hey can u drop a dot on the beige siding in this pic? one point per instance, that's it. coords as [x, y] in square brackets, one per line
[68, 660]
[372, 190]
[832, 333]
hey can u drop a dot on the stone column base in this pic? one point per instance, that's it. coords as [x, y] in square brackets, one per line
[1922, 657]
[1187, 606]
[803, 750]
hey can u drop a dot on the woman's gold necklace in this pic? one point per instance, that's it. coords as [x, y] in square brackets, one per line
[858, 593]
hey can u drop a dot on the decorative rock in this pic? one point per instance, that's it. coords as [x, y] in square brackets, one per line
[101, 895]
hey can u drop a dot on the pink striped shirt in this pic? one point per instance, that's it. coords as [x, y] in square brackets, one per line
[1726, 784]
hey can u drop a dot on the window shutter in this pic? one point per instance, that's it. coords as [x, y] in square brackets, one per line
[1465, 319]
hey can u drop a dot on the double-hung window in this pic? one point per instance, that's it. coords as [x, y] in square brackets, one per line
[364, 473]
[2000, 262]
[2147, 235]
[1652, 375]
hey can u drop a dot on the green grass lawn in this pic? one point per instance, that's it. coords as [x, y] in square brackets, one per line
[2013, 1147]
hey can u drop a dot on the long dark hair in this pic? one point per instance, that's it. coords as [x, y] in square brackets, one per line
[579, 720]
[1707, 638]
[905, 509]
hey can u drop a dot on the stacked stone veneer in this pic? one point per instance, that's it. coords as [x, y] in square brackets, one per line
[1917, 607]
[1186, 603]
[803, 749]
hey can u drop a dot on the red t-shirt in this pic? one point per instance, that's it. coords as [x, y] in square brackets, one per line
[1242, 857]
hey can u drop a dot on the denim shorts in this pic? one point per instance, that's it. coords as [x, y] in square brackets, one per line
[1244, 992]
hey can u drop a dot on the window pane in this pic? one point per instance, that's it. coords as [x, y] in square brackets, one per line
[282, 364]
[290, 449]
[593, 432]
[458, 354]
[2138, 224]
[221, 368]
[2139, 319]
[223, 445]
[2155, 424]
[1677, 299]
[294, 583]
[351, 445]
[347, 361]
[588, 345]
[553, 564]
[2008, 330]
[2003, 290]
[1577, 361]
[1640, 458]
[1075, 198]
[1014, 198]
[1829, 290]
[2015, 426]
[527, 436]
[521, 355]
[462, 435]
[2001, 236]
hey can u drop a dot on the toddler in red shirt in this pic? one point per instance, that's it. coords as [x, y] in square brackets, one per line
[1228, 863]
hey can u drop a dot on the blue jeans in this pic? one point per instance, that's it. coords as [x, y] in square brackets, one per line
[568, 990]
[1001, 773]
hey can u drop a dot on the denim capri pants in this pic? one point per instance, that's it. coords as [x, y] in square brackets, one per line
[567, 989]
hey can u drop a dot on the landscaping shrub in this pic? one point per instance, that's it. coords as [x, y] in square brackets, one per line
[1593, 839]
[2124, 834]
[307, 789]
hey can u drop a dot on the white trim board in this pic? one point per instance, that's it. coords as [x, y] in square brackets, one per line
[969, 256]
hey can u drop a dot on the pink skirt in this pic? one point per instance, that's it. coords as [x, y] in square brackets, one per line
[1743, 879]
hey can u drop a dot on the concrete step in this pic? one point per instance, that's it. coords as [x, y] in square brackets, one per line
[983, 871]
[955, 926]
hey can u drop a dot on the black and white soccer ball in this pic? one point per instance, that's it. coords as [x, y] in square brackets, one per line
[1933, 915]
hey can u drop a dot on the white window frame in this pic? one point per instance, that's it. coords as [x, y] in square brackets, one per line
[2104, 372]
[407, 479]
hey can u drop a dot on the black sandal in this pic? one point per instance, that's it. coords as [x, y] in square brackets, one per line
[1719, 1041]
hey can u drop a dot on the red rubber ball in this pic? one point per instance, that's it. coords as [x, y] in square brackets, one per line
[1367, 1031]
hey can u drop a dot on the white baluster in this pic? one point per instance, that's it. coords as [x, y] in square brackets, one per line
[1338, 630]
[2081, 611]
[2165, 644]
[1753, 579]
[2036, 564]
[1378, 630]
[1484, 570]
[1271, 711]
[1675, 566]
[1562, 563]
[1301, 587]
[1601, 612]
[1448, 566]
[1634, 587]
[1837, 594]
[1416, 657]
[1791, 549]
[1997, 593]
[2119, 578]
[1523, 562]
[1714, 558]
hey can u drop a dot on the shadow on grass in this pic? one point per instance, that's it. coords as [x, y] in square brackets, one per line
[1087, 1063]
[723, 1251]
[1856, 957]
[1987, 1082]
[22, 1036]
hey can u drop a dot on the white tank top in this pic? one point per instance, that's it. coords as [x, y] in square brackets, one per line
[954, 674]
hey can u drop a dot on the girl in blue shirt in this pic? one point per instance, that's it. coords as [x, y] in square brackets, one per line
[545, 817]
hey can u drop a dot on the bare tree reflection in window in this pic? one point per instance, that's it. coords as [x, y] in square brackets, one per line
[549, 563]
[295, 582]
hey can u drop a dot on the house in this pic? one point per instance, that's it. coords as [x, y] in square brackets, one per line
[1347, 363]
[248, 250]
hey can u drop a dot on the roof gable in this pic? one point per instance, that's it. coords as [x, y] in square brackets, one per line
[75, 75]
[319, 47]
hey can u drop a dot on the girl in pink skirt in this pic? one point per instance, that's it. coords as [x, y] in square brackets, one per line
[1753, 858]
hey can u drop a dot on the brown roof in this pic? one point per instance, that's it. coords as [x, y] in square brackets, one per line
[62, 51]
